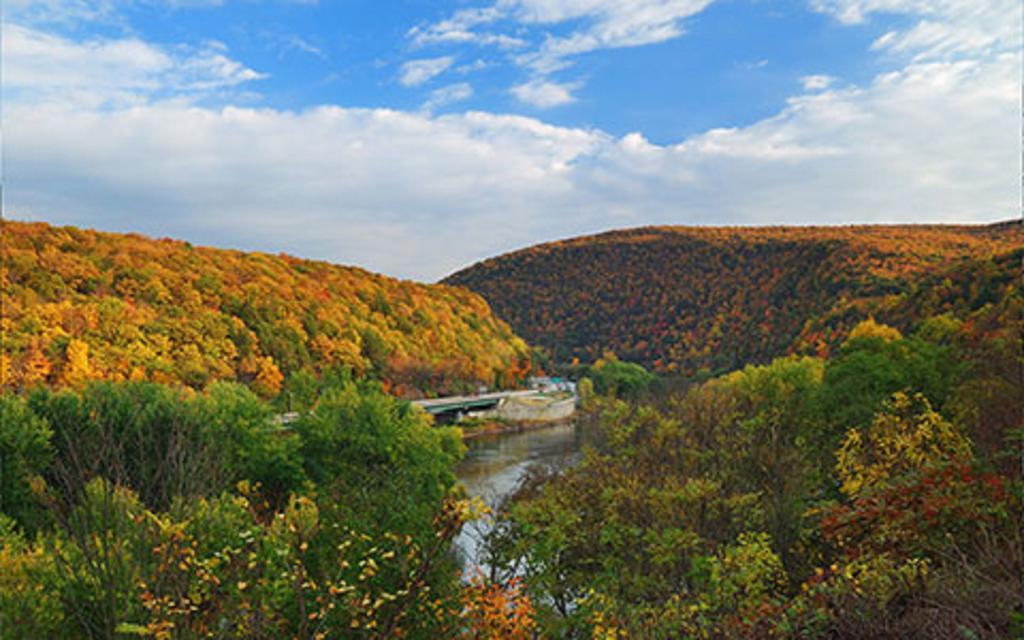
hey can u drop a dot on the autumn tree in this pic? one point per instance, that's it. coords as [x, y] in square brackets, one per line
[77, 368]
[907, 436]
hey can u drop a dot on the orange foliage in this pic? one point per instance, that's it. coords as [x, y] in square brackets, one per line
[494, 611]
[688, 299]
[268, 378]
[81, 304]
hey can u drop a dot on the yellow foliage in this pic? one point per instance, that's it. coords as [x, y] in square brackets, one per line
[882, 577]
[26, 604]
[35, 367]
[907, 436]
[268, 377]
[77, 368]
[871, 329]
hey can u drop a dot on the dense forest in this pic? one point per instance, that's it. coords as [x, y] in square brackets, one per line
[861, 477]
[875, 493]
[82, 305]
[691, 300]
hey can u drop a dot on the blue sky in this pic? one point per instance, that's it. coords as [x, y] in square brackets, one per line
[732, 64]
[415, 137]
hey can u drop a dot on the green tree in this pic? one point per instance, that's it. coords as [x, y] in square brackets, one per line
[614, 377]
[869, 369]
[379, 462]
[25, 454]
[773, 444]
[252, 446]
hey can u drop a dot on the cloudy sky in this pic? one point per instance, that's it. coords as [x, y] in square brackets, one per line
[414, 137]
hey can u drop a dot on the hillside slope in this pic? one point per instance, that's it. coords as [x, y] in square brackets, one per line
[80, 305]
[690, 299]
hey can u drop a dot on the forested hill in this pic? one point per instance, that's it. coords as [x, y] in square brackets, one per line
[80, 305]
[696, 298]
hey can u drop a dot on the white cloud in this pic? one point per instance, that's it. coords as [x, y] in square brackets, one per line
[59, 11]
[944, 28]
[417, 72]
[858, 11]
[376, 188]
[459, 29]
[295, 42]
[610, 25]
[36, 59]
[816, 82]
[477, 65]
[305, 46]
[607, 24]
[545, 94]
[41, 66]
[451, 36]
[448, 95]
[75, 12]
[209, 69]
[418, 195]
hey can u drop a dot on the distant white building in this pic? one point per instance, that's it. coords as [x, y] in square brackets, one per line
[549, 384]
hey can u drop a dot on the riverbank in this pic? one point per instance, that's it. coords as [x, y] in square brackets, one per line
[499, 428]
[520, 414]
[542, 407]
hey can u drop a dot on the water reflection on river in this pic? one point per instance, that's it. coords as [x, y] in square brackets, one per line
[494, 465]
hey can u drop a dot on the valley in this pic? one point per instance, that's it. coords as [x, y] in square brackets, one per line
[781, 432]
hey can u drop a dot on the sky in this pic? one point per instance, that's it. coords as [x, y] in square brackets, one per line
[415, 137]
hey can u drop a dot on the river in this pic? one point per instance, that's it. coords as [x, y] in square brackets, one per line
[494, 465]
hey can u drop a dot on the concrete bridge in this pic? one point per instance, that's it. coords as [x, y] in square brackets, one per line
[446, 409]
[454, 406]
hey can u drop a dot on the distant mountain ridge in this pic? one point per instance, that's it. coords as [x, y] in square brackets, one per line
[81, 305]
[689, 299]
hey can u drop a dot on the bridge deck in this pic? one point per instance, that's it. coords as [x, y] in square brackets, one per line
[450, 403]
